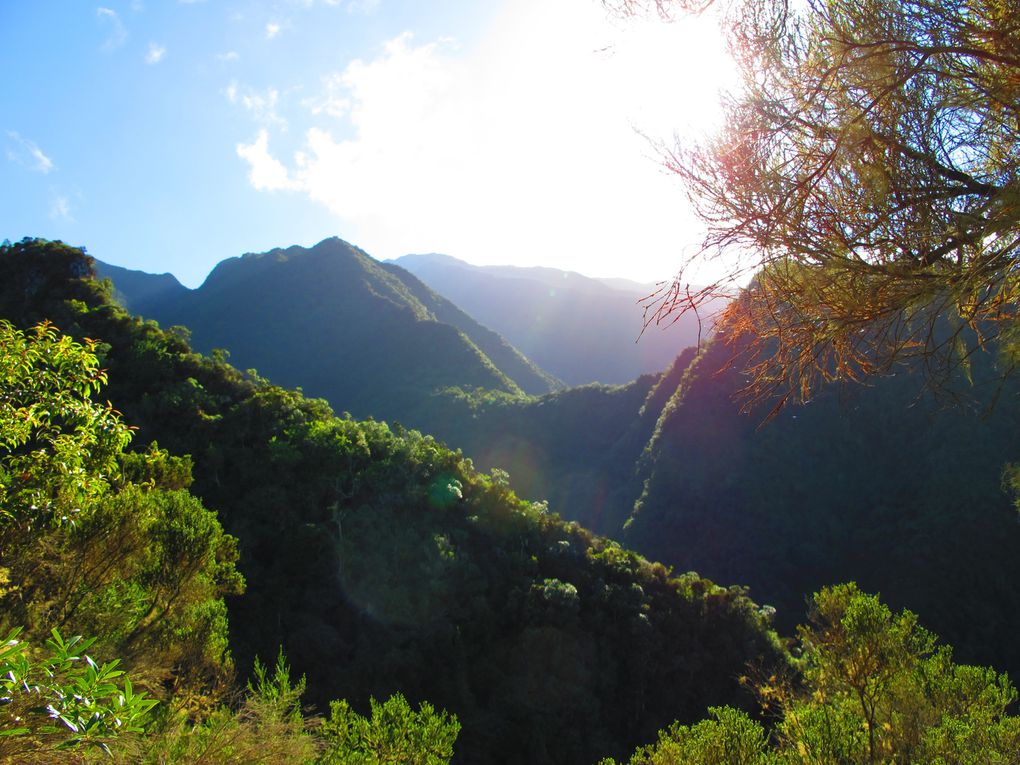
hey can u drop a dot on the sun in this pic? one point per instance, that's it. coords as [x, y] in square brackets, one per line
[675, 74]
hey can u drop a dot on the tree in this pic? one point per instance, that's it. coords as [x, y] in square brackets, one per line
[58, 445]
[868, 176]
[876, 688]
[394, 733]
[63, 700]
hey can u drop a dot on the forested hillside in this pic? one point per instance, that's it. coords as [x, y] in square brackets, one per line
[579, 448]
[370, 339]
[380, 561]
[825, 493]
[886, 484]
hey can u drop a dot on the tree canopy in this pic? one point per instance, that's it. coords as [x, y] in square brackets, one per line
[876, 687]
[867, 176]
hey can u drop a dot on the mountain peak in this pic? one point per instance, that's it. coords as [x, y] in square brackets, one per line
[372, 338]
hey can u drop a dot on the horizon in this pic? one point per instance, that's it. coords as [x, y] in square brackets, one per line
[395, 261]
[165, 138]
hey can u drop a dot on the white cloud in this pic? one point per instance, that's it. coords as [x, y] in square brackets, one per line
[526, 144]
[261, 105]
[334, 101]
[117, 33]
[365, 7]
[230, 55]
[272, 30]
[60, 209]
[265, 173]
[27, 153]
[155, 54]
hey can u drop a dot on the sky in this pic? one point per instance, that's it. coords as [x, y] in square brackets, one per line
[167, 135]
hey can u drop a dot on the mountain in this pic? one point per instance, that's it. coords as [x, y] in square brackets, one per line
[899, 490]
[581, 330]
[371, 339]
[380, 561]
[505, 357]
[896, 489]
[642, 289]
[138, 288]
[576, 449]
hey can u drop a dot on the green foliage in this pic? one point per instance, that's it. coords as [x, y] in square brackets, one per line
[879, 689]
[62, 699]
[59, 446]
[86, 549]
[382, 561]
[866, 483]
[731, 738]
[876, 688]
[393, 734]
[265, 727]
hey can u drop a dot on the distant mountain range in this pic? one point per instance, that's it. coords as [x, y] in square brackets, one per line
[369, 337]
[579, 329]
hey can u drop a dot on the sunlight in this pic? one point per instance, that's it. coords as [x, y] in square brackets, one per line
[671, 75]
[550, 131]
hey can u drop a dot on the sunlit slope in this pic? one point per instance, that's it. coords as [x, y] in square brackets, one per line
[576, 448]
[879, 484]
[579, 448]
[579, 329]
[503, 355]
[333, 321]
[381, 561]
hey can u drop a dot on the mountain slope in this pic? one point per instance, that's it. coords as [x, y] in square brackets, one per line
[136, 288]
[898, 491]
[381, 561]
[579, 329]
[333, 321]
[517, 366]
[576, 449]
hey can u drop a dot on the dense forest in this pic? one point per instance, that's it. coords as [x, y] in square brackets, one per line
[378, 560]
[821, 494]
[284, 585]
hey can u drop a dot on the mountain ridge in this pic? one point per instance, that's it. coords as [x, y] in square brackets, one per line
[320, 305]
[580, 329]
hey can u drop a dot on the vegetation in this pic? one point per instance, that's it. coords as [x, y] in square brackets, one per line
[867, 177]
[575, 449]
[872, 483]
[383, 563]
[393, 733]
[392, 341]
[876, 688]
[145, 566]
[386, 567]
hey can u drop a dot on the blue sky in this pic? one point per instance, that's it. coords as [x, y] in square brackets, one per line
[167, 135]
